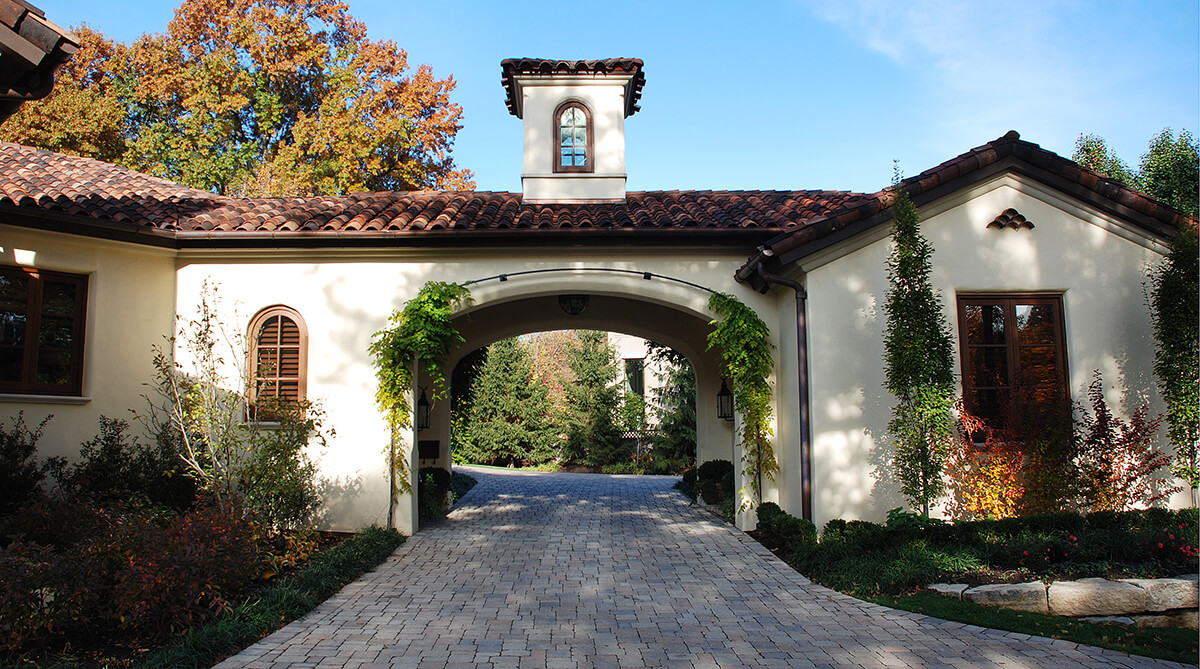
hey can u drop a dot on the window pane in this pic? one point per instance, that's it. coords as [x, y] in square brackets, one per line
[564, 135]
[58, 299]
[1036, 323]
[581, 136]
[1038, 365]
[57, 332]
[985, 403]
[990, 366]
[14, 304]
[10, 364]
[54, 367]
[985, 324]
[12, 328]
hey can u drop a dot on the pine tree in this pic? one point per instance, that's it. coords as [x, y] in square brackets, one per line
[919, 358]
[674, 404]
[508, 410]
[593, 400]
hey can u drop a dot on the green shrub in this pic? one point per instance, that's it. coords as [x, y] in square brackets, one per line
[687, 483]
[115, 467]
[277, 480]
[20, 474]
[434, 492]
[714, 470]
[460, 484]
[710, 491]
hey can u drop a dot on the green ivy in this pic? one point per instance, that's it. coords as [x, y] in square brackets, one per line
[423, 331]
[745, 345]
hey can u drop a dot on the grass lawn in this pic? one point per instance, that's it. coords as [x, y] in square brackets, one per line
[1178, 645]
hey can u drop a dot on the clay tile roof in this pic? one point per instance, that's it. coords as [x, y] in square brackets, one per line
[1007, 151]
[31, 48]
[37, 182]
[511, 67]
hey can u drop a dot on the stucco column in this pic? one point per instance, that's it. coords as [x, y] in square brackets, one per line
[405, 514]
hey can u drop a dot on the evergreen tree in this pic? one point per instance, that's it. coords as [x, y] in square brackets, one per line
[675, 406]
[1175, 311]
[508, 410]
[593, 436]
[919, 359]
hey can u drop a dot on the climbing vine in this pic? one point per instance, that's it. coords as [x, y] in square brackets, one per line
[423, 331]
[745, 345]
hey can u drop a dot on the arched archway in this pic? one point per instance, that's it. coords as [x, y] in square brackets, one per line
[669, 311]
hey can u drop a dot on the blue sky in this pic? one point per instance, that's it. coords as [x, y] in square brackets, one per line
[797, 94]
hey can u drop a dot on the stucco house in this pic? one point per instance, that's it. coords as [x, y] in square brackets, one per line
[97, 260]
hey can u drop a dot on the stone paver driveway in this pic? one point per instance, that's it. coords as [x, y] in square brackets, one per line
[578, 570]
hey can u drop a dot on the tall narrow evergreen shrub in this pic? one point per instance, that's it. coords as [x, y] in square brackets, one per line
[1175, 311]
[919, 361]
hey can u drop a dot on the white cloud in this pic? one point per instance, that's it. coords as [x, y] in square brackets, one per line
[978, 68]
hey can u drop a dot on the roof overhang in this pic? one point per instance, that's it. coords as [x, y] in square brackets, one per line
[517, 73]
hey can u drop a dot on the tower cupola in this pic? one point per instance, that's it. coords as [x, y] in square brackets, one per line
[574, 113]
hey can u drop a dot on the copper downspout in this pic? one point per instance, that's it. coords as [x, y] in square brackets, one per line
[802, 382]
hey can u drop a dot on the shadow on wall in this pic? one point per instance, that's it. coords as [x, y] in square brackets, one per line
[338, 498]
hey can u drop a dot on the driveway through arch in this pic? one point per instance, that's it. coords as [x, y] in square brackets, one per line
[586, 570]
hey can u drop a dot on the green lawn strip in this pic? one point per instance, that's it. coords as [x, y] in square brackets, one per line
[1179, 645]
[280, 603]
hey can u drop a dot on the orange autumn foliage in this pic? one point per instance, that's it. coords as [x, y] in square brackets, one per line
[254, 98]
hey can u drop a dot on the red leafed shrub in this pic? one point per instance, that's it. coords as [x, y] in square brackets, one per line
[1119, 466]
[27, 599]
[182, 574]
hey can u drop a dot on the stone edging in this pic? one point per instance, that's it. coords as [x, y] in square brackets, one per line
[1147, 602]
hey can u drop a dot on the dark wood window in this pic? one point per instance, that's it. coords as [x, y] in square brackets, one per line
[278, 355]
[635, 376]
[573, 133]
[1011, 343]
[42, 315]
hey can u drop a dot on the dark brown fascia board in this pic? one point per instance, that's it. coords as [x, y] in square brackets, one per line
[740, 239]
[86, 226]
[1010, 163]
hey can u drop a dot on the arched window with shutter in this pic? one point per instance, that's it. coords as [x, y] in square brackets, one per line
[278, 355]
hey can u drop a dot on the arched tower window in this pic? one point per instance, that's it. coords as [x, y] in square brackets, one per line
[573, 132]
[278, 355]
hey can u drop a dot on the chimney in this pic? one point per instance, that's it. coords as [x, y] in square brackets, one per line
[574, 113]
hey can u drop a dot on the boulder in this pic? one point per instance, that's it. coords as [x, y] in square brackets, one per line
[953, 590]
[1095, 597]
[1167, 593]
[1019, 596]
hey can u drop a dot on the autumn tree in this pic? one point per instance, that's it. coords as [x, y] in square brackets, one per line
[549, 350]
[919, 362]
[254, 97]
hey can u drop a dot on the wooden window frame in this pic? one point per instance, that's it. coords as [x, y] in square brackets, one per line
[32, 336]
[253, 375]
[590, 156]
[1009, 303]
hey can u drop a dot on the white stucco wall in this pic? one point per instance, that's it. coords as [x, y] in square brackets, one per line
[1097, 264]
[345, 296]
[604, 95]
[130, 302]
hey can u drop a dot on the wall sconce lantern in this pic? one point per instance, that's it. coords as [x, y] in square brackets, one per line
[573, 304]
[422, 412]
[724, 402]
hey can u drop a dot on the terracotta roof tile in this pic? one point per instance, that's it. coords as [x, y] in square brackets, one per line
[511, 67]
[35, 180]
[964, 167]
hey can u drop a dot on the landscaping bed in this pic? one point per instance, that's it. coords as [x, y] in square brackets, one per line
[893, 563]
